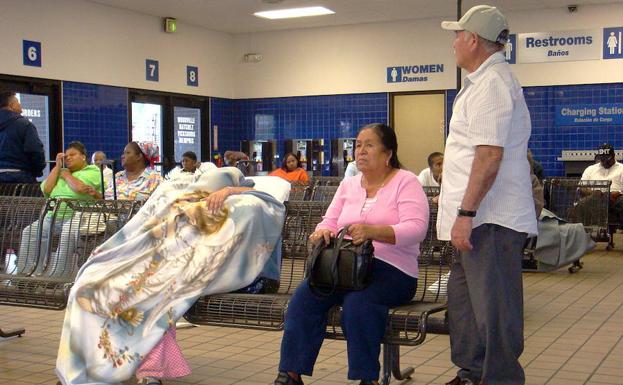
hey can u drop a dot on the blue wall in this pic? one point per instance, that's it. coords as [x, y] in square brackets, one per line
[305, 117]
[97, 116]
[548, 140]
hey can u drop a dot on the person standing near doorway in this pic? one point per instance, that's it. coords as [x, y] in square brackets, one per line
[486, 207]
[22, 158]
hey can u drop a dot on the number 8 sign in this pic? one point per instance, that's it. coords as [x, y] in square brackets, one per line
[192, 76]
[32, 53]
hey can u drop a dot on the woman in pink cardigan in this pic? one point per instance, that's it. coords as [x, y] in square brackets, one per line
[387, 205]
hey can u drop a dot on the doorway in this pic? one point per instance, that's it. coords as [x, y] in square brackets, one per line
[419, 121]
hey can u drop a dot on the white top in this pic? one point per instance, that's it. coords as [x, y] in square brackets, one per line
[351, 170]
[107, 177]
[178, 172]
[367, 204]
[426, 178]
[489, 110]
[598, 172]
[278, 187]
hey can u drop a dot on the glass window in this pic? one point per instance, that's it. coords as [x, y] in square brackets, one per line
[35, 109]
[186, 131]
[147, 124]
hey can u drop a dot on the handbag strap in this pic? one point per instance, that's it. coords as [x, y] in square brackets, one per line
[334, 262]
[335, 257]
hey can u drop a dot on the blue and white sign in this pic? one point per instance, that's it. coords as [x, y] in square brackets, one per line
[32, 53]
[192, 76]
[589, 115]
[152, 73]
[613, 43]
[510, 49]
[542, 47]
[412, 73]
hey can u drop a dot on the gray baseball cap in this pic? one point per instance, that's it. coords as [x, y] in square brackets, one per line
[483, 20]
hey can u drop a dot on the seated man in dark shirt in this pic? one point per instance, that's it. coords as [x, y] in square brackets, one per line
[22, 158]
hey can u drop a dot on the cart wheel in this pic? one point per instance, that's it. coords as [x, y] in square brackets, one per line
[573, 269]
[610, 247]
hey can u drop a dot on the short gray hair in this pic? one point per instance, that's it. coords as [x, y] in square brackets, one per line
[95, 153]
[490, 46]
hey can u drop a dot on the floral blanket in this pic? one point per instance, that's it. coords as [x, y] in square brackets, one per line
[145, 277]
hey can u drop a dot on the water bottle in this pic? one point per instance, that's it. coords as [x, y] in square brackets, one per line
[10, 261]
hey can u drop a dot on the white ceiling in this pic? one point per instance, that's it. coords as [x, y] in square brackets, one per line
[236, 16]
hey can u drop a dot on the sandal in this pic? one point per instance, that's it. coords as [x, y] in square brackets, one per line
[284, 378]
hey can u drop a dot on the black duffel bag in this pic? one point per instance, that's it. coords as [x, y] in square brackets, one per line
[339, 266]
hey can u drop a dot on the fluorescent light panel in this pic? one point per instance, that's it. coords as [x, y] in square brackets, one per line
[294, 12]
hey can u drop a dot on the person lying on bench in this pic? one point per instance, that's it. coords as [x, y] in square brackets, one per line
[210, 236]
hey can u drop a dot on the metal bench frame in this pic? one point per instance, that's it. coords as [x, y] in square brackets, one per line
[408, 325]
[49, 287]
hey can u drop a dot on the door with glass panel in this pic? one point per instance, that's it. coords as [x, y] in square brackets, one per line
[40, 104]
[147, 123]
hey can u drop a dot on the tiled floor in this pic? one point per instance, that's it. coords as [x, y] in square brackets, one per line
[574, 336]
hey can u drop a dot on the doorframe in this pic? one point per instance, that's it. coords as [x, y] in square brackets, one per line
[168, 100]
[51, 88]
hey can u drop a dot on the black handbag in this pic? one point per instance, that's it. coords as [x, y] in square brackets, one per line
[339, 266]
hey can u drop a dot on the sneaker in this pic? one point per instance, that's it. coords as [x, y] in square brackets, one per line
[284, 378]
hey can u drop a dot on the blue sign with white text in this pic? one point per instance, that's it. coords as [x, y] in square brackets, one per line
[151, 70]
[412, 73]
[613, 43]
[32, 53]
[192, 76]
[510, 50]
[589, 115]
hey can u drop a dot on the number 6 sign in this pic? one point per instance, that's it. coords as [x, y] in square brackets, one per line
[32, 53]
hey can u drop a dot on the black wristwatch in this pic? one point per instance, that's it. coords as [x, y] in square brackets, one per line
[465, 213]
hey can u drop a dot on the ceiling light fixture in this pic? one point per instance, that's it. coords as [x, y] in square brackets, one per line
[294, 12]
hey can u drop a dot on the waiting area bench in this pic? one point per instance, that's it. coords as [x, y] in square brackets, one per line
[37, 273]
[20, 189]
[408, 325]
[586, 202]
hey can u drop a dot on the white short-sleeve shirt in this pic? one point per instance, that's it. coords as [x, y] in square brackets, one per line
[598, 172]
[426, 178]
[489, 110]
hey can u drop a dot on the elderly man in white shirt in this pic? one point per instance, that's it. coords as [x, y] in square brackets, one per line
[486, 207]
[97, 158]
[431, 176]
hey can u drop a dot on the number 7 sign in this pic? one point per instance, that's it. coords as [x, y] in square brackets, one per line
[151, 70]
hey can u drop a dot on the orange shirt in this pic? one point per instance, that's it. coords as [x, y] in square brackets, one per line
[298, 175]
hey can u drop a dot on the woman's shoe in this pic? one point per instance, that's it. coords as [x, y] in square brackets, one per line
[151, 381]
[284, 378]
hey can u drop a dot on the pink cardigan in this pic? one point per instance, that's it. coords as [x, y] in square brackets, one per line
[401, 204]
